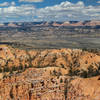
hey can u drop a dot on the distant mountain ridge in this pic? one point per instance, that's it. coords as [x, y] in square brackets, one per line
[66, 23]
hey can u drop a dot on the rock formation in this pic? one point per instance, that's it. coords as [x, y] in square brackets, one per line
[51, 74]
[66, 23]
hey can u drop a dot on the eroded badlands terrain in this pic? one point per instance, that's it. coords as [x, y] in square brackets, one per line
[50, 74]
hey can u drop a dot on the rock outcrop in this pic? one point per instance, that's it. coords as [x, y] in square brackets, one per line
[66, 23]
[52, 74]
[84, 89]
[32, 84]
[39, 84]
[68, 59]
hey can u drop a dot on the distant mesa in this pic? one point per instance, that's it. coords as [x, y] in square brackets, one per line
[66, 23]
[1, 24]
[12, 25]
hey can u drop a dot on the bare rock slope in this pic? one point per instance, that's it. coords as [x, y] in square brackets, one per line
[55, 74]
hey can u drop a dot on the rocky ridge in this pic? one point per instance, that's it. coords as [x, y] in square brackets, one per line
[54, 74]
[68, 59]
[66, 23]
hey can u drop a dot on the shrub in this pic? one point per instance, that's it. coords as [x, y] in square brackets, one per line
[54, 72]
[61, 80]
[14, 68]
[6, 69]
[20, 67]
[0, 70]
[4, 76]
[84, 74]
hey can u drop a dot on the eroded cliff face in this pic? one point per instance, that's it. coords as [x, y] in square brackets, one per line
[56, 74]
[84, 89]
[65, 58]
[40, 84]
[33, 84]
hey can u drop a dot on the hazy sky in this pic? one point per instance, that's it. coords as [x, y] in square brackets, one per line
[49, 10]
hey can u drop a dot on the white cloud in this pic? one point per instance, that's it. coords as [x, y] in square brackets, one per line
[4, 4]
[61, 12]
[98, 1]
[13, 3]
[69, 11]
[22, 12]
[30, 0]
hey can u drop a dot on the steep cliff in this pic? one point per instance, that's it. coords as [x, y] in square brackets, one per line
[54, 74]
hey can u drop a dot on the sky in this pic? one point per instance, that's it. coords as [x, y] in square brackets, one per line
[49, 10]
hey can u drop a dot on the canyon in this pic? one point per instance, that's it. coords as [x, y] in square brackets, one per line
[49, 74]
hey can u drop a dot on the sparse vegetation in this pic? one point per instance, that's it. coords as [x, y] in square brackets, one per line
[11, 94]
[14, 68]
[61, 80]
[6, 69]
[0, 70]
[20, 67]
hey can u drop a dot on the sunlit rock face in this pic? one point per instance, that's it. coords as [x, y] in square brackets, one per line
[64, 58]
[50, 74]
[84, 89]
